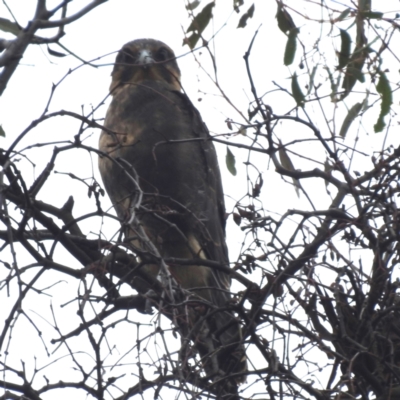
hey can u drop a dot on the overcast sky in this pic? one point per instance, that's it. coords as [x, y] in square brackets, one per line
[97, 37]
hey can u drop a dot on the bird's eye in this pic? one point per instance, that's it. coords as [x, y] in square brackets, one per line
[162, 54]
[125, 57]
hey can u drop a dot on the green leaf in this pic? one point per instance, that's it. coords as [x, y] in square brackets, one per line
[344, 55]
[8, 26]
[296, 91]
[350, 117]
[230, 162]
[334, 85]
[2, 133]
[354, 67]
[384, 89]
[285, 21]
[245, 17]
[343, 15]
[194, 4]
[291, 45]
[353, 74]
[287, 164]
[356, 73]
[365, 103]
[250, 11]
[202, 19]
[192, 40]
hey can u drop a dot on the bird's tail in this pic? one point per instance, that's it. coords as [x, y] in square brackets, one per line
[218, 337]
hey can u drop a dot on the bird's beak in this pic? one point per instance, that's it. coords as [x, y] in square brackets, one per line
[145, 58]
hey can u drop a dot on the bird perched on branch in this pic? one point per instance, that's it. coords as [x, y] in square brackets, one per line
[163, 179]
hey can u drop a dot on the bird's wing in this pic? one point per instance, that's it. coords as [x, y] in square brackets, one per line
[211, 205]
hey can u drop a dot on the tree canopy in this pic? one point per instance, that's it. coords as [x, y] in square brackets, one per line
[301, 99]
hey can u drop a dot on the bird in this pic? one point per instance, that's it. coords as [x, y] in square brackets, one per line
[160, 170]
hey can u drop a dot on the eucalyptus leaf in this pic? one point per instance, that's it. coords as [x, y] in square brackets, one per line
[285, 21]
[202, 19]
[230, 162]
[384, 89]
[343, 15]
[8, 26]
[297, 92]
[291, 45]
[194, 4]
[245, 17]
[344, 54]
[350, 117]
[287, 164]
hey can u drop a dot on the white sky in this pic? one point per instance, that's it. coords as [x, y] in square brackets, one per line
[104, 31]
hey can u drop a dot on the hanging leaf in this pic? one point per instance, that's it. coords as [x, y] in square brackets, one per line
[199, 23]
[352, 75]
[202, 19]
[230, 162]
[237, 4]
[384, 89]
[242, 131]
[334, 85]
[344, 55]
[237, 219]
[285, 21]
[8, 26]
[296, 91]
[257, 187]
[287, 164]
[343, 15]
[312, 76]
[328, 169]
[365, 103]
[191, 6]
[252, 112]
[356, 72]
[291, 45]
[2, 133]
[357, 59]
[245, 17]
[350, 117]
[55, 53]
[192, 40]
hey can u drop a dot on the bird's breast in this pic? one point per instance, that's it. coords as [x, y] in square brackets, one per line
[151, 131]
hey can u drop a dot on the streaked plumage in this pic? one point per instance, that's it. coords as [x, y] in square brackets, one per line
[159, 133]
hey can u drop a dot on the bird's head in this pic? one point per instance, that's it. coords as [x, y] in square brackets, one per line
[145, 59]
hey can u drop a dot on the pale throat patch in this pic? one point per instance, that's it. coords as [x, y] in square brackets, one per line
[145, 57]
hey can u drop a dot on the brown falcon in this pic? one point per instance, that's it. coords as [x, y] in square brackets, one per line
[166, 189]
